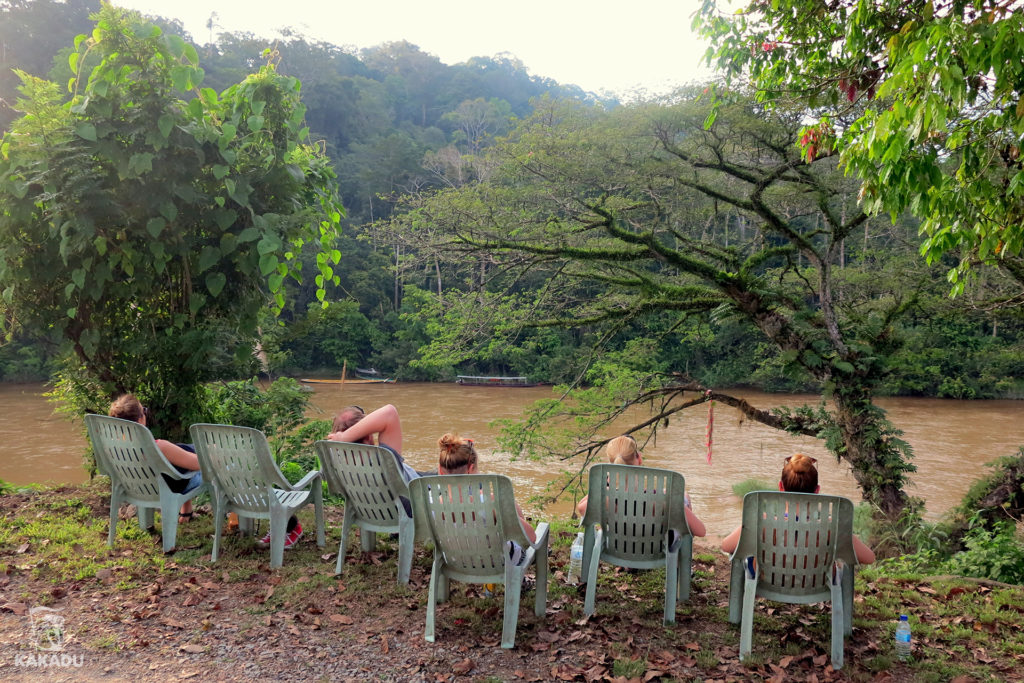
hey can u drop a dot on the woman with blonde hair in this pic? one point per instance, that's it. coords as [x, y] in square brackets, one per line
[623, 450]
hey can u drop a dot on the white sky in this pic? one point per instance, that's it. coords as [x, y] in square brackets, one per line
[643, 46]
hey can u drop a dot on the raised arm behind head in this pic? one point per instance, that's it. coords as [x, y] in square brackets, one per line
[360, 428]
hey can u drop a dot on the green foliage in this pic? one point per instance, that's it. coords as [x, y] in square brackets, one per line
[744, 487]
[278, 411]
[147, 230]
[996, 553]
[929, 101]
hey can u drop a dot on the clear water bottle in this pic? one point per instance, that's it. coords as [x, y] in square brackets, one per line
[903, 638]
[575, 560]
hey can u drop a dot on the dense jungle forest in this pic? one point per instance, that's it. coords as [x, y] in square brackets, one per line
[399, 126]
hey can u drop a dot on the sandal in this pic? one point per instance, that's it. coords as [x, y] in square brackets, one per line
[186, 517]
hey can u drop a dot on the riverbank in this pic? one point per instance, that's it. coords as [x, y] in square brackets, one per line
[132, 613]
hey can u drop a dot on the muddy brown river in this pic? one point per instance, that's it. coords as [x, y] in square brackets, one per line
[951, 440]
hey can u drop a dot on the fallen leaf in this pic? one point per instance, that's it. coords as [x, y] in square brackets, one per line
[194, 648]
[785, 661]
[342, 619]
[693, 646]
[463, 667]
[19, 608]
[22, 549]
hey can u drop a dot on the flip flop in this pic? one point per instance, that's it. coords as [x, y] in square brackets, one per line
[186, 517]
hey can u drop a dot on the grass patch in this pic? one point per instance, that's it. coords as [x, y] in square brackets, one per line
[744, 487]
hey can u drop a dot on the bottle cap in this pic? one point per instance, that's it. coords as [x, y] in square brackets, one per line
[903, 617]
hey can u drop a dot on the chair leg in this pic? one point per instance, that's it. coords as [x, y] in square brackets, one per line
[513, 591]
[145, 517]
[735, 590]
[540, 602]
[595, 560]
[367, 540]
[220, 504]
[838, 618]
[671, 584]
[318, 513]
[278, 529]
[747, 622]
[346, 528]
[169, 506]
[405, 543]
[115, 507]
[435, 579]
[685, 568]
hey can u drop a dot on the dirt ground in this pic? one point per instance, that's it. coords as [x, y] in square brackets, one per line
[238, 620]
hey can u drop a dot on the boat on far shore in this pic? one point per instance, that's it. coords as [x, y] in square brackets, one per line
[313, 380]
[479, 381]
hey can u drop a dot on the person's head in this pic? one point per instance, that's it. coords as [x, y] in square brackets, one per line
[127, 407]
[457, 455]
[799, 475]
[622, 450]
[349, 417]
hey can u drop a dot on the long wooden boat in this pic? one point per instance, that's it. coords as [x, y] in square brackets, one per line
[477, 381]
[386, 380]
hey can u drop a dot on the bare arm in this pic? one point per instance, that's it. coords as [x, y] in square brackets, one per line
[176, 455]
[693, 521]
[864, 554]
[527, 529]
[383, 422]
[581, 507]
[731, 541]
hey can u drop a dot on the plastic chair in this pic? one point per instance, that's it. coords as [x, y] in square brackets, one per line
[247, 481]
[642, 516]
[139, 474]
[796, 548]
[471, 520]
[373, 488]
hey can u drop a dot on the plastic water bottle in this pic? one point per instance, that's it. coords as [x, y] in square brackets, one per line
[903, 638]
[575, 560]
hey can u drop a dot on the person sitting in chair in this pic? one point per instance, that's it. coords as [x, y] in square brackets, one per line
[127, 407]
[622, 450]
[352, 425]
[800, 475]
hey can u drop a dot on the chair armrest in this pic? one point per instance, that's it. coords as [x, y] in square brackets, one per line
[311, 476]
[542, 535]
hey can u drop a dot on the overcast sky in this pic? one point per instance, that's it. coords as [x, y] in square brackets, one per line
[599, 45]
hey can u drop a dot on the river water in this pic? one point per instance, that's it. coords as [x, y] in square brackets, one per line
[951, 440]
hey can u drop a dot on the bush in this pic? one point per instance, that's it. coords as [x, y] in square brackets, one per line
[995, 553]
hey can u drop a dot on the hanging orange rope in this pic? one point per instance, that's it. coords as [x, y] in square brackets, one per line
[711, 423]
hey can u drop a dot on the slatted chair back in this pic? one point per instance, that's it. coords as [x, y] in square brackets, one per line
[239, 460]
[795, 538]
[636, 517]
[376, 496]
[128, 454]
[139, 474]
[796, 548]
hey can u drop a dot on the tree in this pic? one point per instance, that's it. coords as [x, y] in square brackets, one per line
[151, 231]
[625, 214]
[923, 100]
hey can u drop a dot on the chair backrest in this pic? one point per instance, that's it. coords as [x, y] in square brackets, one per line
[127, 453]
[469, 518]
[795, 538]
[366, 476]
[238, 461]
[635, 507]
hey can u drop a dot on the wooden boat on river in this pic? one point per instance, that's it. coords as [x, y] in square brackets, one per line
[385, 380]
[477, 381]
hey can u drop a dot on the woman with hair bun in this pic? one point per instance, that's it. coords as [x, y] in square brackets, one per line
[458, 456]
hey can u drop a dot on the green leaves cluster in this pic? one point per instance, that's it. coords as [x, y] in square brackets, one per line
[149, 220]
[927, 98]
